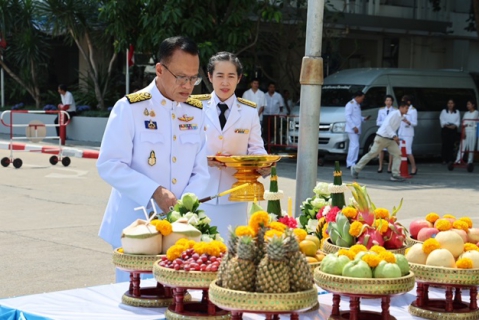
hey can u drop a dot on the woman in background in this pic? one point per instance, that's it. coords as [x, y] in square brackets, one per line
[450, 120]
[469, 135]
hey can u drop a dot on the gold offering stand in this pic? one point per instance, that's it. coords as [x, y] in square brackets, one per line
[357, 288]
[179, 281]
[453, 281]
[150, 297]
[246, 172]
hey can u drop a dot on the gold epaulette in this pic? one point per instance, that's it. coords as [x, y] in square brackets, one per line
[201, 96]
[138, 97]
[247, 102]
[194, 103]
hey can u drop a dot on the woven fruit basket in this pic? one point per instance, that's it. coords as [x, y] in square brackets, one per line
[134, 262]
[329, 247]
[256, 302]
[314, 265]
[183, 279]
[361, 286]
[410, 241]
[445, 276]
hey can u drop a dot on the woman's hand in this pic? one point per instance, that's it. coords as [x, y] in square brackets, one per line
[217, 164]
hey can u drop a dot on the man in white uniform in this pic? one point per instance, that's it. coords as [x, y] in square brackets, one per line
[154, 143]
[68, 104]
[274, 104]
[257, 96]
[385, 138]
[353, 126]
[406, 131]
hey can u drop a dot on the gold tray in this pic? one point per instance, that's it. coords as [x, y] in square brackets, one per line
[447, 276]
[256, 161]
[257, 302]
[361, 286]
[134, 262]
[183, 279]
[329, 247]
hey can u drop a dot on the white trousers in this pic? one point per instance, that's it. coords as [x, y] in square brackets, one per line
[468, 144]
[353, 150]
[222, 216]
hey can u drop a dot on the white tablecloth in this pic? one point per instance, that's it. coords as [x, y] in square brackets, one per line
[104, 302]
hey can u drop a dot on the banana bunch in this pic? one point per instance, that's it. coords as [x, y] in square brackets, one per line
[361, 196]
[339, 231]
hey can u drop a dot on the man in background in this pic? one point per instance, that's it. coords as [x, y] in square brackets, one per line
[68, 104]
[274, 105]
[354, 120]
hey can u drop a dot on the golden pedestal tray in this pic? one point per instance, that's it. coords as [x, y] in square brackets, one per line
[246, 172]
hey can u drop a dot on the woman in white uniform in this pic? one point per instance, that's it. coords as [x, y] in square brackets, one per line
[469, 128]
[406, 131]
[232, 128]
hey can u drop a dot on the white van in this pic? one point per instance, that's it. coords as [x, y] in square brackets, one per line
[430, 89]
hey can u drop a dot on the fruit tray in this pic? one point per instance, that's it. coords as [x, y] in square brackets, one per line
[134, 262]
[447, 276]
[183, 279]
[329, 247]
[410, 241]
[314, 265]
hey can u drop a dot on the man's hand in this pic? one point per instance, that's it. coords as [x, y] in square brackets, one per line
[367, 118]
[356, 130]
[396, 139]
[264, 172]
[164, 198]
[214, 163]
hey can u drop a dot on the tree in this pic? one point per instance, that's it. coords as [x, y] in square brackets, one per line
[79, 21]
[473, 20]
[26, 51]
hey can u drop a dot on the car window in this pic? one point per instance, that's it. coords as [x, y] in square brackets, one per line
[374, 98]
[435, 99]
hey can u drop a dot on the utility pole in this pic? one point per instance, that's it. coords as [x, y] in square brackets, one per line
[311, 80]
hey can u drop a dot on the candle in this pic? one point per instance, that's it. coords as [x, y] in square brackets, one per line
[233, 189]
[290, 207]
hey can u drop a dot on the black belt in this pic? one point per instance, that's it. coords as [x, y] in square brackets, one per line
[384, 137]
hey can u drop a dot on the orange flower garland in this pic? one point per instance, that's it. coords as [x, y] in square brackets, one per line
[355, 228]
[271, 233]
[300, 233]
[358, 248]
[347, 253]
[430, 245]
[459, 224]
[467, 220]
[464, 263]
[448, 216]
[163, 226]
[387, 256]
[244, 231]
[381, 225]
[377, 249]
[350, 212]
[277, 226]
[381, 213]
[259, 218]
[443, 225]
[432, 217]
[470, 247]
[371, 259]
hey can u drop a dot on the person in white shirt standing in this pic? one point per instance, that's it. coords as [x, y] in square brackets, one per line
[274, 104]
[450, 120]
[257, 96]
[406, 131]
[469, 137]
[386, 138]
[68, 104]
[382, 114]
[353, 126]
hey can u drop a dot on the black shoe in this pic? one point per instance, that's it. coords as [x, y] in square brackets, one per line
[380, 170]
[414, 173]
[389, 171]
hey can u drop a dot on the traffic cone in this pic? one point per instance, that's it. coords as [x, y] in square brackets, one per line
[404, 170]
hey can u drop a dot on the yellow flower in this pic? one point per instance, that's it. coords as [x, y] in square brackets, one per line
[221, 246]
[212, 249]
[371, 259]
[381, 225]
[191, 244]
[430, 245]
[259, 218]
[200, 248]
[443, 225]
[154, 222]
[464, 263]
[381, 213]
[277, 226]
[324, 232]
[182, 242]
[448, 216]
[120, 250]
[300, 234]
[377, 249]
[467, 220]
[355, 249]
[432, 217]
[271, 233]
[355, 228]
[322, 242]
[244, 231]
[164, 227]
[387, 256]
[174, 252]
[459, 224]
[407, 250]
[347, 253]
[470, 246]
[350, 212]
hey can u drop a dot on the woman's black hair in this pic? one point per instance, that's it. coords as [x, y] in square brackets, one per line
[472, 101]
[453, 108]
[225, 56]
[170, 45]
[63, 87]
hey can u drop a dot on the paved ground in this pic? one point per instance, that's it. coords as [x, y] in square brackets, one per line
[50, 215]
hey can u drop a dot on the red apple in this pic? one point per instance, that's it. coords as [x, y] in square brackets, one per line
[417, 225]
[426, 233]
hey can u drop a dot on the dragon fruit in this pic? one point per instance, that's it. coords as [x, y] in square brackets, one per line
[395, 236]
[370, 237]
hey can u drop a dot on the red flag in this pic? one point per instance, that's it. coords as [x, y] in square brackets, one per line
[3, 42]
[131, 55]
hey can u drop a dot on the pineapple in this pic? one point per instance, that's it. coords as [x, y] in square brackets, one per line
[300, 276]
[233, 240]
[260, 245]
[241, 270]
[272, 275]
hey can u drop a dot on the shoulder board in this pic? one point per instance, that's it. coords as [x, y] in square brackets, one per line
[247, 102]
[194, 103]
[138, 97]
[201, 96]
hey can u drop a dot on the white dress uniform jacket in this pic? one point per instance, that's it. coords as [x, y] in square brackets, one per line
[406, 130]
[353, 116]
[150, 141]
[383, 113]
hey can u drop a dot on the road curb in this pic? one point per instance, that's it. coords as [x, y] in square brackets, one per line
[67, 151]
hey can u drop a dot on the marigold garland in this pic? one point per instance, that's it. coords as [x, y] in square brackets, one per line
[184, 242]
[350, 212]
[164, 227]
[371, 259]
[347, 253]
[470, 247]
[443, 225]
[381, 225]
[300, 233]
[387, 256]
[355, 228]
[244, 231]
[407, 250]
[377, 249]
[221, 246]
[464, 263]
[271, 233]
[432, 217]
[462, 225]
[120, 250]
[381, 213]
[257, 219]
[357, 248]
[174, 252]
[277, 226]
[324, 232]
[448, 216]
[467, 220]
[430, 245]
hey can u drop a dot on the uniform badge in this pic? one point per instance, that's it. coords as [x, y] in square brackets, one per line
[188, 126]
[163, 102]
[152, 158]
[150, 125]
[242, 131]
[185, 118]
[146, 113]
[152, 113]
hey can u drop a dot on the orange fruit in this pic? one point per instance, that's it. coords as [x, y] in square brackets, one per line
[308, 248]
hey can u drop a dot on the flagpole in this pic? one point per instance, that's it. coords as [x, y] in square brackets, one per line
[127, 73]
[2, 80]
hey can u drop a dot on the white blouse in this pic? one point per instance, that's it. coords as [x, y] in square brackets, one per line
[447, 118]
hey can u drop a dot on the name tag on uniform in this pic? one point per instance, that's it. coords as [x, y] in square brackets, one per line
[151, 125]
[242, 131]
[188, 126]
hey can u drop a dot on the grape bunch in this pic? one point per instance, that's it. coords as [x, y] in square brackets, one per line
[192, 261]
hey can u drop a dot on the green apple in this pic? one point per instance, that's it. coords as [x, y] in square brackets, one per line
[333, 264]
[357, 269]
[387, 270]
[403, 264]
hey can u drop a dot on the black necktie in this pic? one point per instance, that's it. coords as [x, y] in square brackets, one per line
[223, 107]
[387, 111]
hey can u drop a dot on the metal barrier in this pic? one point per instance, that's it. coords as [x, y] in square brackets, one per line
[279, 131]
[35, 132]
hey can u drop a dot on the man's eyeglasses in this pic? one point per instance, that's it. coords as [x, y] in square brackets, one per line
[182, 80]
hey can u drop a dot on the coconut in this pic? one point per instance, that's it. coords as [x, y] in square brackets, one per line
[180, 230]
[141, 238]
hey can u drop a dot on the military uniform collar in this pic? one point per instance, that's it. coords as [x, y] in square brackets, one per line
[160, 99]
[229, 102]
